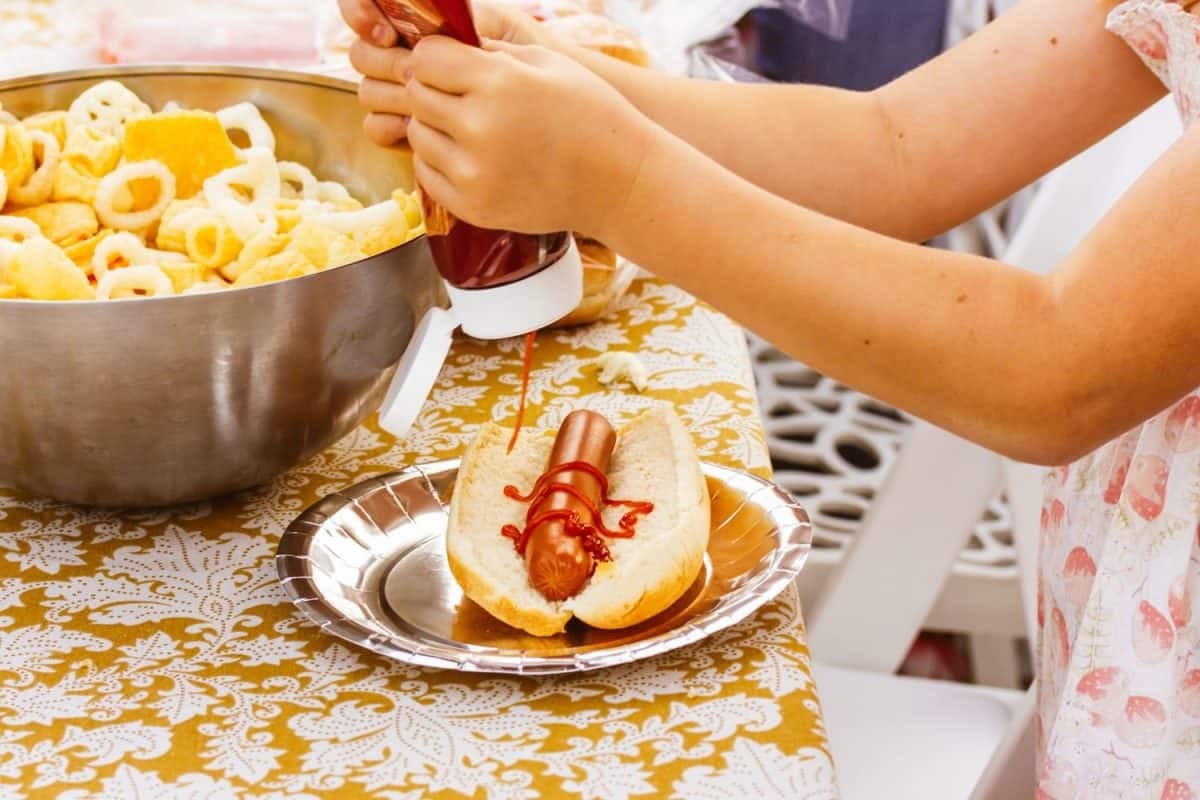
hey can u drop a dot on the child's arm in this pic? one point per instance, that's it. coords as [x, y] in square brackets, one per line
[1042, 369]
[939, 145]
[934, 148]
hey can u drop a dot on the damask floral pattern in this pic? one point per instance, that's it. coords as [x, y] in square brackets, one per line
[153, 655]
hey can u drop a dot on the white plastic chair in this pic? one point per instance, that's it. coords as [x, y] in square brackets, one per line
[900, 737]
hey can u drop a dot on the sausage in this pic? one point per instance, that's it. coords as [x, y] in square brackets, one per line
[558, 563]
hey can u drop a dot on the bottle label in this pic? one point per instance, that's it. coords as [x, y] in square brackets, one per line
[413, 19]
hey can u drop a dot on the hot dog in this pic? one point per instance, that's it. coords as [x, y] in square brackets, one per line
[527, 528]
[559, 564]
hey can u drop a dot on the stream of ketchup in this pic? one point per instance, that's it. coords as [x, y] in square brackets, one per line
[589, 533]
[529, 338]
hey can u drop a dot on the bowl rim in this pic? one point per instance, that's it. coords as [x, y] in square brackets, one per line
[198, 69]
[111, 71]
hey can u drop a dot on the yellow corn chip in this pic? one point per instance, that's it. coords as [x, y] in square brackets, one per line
[81, 252]
[71, 184]
[384, 237]
[41, 271]
[92, 152]
[63, 223]
[193, 145]
[324, 247]
[52, 122]
[8, 291]
[258, 248]
[287, 213]
[16, 159]
[288, 264]
[184, 274]
[177, 207]
[287, 220]
[171, 235]
[211, 242]
[411, 205]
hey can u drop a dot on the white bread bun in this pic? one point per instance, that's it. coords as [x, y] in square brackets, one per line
[596, 32]
[654, 460]
[602, 284]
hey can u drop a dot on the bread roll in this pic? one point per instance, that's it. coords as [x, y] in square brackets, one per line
[597, 32]
[654, 460]
[601, 286]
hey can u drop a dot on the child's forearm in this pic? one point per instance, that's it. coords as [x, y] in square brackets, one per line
[821, 147]
[932, 332]
[941, 144]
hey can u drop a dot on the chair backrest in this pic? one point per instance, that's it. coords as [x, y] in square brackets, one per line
[1075, 196]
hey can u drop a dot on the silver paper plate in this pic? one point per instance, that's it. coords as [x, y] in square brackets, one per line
[368, 565]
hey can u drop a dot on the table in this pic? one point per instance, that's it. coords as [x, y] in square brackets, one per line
[154, 654]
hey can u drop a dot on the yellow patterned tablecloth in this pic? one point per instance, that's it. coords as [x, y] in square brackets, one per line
[154, 655]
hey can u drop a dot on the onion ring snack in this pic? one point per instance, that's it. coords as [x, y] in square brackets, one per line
[301, 176]
[145, 280]
[18, 229]
[110, 184]
[37, 189]
[246, 117]
[118, 180]
[107, 106]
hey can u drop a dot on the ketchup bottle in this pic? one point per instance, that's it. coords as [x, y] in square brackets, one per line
[500, 284]
[471, 258]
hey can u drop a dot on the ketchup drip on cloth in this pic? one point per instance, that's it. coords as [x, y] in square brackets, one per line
[590, 532]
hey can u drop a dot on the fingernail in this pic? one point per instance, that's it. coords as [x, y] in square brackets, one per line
[408, 74]
[382, 35]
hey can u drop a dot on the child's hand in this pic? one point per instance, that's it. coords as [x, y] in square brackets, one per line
[380, 56]
[521, 138]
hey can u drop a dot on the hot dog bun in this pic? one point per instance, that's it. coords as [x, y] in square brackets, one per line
[601, 283]
[654, 460]
[596, 32]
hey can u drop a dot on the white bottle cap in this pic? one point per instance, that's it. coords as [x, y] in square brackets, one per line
[517, 308]
[497, 313]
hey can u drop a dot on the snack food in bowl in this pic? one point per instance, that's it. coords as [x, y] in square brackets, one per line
[172, 399]
[107, 199]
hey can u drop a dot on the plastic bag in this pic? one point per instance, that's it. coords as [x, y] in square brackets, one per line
[673, 30]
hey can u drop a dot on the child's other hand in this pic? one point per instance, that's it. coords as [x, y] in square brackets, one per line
[381, 57]
[521, 138]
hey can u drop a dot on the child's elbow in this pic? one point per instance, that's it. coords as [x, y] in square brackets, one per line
[1064, 430]
[1052, 447]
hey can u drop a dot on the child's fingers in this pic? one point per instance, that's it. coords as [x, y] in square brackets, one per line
[384, 96]
[434, 148]
[386, 130]
[525, 53]
[382, 63]
[449, 66]
[436, 109]
[365, 19]
[433, 183]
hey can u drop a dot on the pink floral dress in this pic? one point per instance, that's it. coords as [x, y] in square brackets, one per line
[1119, 644]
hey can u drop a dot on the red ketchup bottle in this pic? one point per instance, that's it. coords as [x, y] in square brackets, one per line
[500, 284]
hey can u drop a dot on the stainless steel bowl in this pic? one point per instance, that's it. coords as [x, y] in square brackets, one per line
[150, 402]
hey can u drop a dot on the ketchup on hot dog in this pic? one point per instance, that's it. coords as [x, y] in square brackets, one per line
[562, 538]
